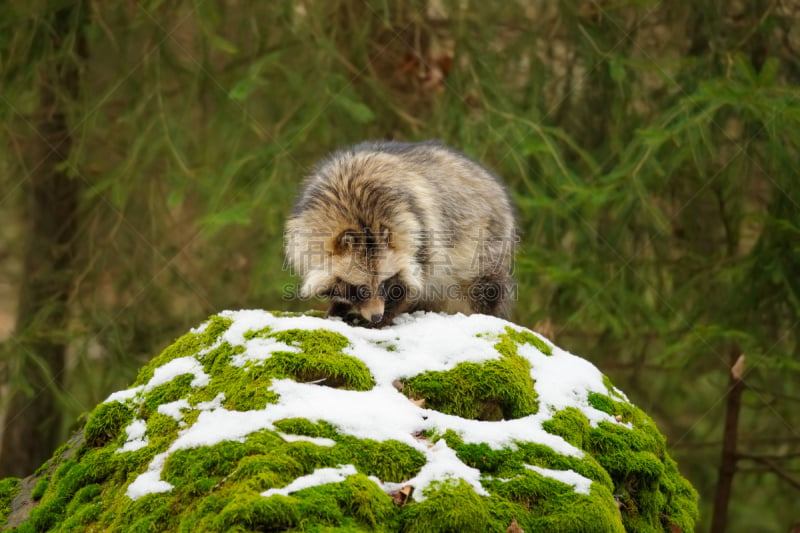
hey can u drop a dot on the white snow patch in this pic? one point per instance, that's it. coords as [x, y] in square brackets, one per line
[136, 438]
[150, 481]
[165, 374]
[420, 342]
[319, 441]
[258, 349]
[123, 395]
[201, 328]
[320, 476]
[178, 367]
[580, 483]
[175, 409]
[214, 403]
[443, 465]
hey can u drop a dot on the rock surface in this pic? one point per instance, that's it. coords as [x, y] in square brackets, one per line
[260, 421]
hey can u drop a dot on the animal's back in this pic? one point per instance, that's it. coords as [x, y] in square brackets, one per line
[449, 222]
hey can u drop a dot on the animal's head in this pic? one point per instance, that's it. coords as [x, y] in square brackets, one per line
[370, 268]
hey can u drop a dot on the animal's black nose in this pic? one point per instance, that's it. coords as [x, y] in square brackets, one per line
[376, 317]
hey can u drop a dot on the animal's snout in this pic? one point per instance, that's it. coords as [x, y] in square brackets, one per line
[372, 310]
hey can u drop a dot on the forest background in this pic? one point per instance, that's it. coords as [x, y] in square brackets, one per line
[150, 152]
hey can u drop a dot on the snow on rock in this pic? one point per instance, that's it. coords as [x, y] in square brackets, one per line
[419, 343]
[136, 438]
[320, 476]
[580, 483]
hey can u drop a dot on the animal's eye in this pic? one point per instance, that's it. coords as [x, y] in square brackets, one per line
[357, 293]
[347, 239]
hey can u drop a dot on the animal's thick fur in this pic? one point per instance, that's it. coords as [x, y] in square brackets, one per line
[384, 228]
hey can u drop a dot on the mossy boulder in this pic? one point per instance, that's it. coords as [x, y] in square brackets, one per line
[259, 421]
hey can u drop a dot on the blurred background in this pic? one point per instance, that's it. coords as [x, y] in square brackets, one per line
[150, 152]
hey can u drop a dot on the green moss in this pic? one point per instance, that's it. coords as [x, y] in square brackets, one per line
[197, 470]
[265, 461]
[153, 512]
[290, 314]
[81, 518]
[251, 511]
[219, 487]
[450, 506]
[642, 475]
[219, 358]
[69, 477]
[389, 346]
[601, 402]
[555, 506]
[640, 469]
[9, 488]
[494, 390]
[388, 461]
[355, 504]
[303, 426]
[40, 488]
[161, 429]
[190, 343]
[178, 388]
[631, 464]
[245, 388]
[549, 505]
[503, 463]
[320, 360]
[571, 425]
[512, 338]
[106, 423]
[84, 508]
[258, 472]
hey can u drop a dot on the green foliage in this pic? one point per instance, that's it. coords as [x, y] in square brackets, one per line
[651, 149]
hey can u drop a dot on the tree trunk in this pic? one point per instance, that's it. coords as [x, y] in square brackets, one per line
[730, 438]
[36, 356]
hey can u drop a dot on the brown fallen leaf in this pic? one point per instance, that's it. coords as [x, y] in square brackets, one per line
[418, 403]
[397, 384]
[401, 497]
[514, 527]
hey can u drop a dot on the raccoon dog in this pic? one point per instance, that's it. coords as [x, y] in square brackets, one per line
[386, 227]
